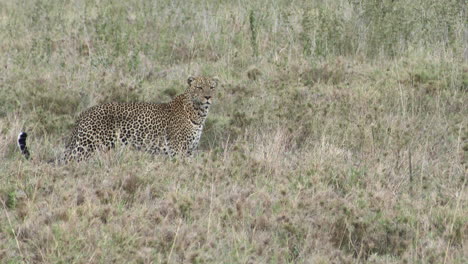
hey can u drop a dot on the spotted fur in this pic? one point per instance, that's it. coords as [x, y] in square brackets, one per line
[172, 128]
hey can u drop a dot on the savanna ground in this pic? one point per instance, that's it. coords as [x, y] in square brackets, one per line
[338, 135]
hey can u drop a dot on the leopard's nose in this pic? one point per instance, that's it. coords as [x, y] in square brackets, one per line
[208, 97]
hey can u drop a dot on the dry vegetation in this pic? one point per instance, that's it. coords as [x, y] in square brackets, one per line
[339, 134]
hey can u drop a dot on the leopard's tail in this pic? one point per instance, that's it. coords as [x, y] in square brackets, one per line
[22, 144]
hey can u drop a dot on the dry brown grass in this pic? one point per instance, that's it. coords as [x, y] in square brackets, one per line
[329, 141]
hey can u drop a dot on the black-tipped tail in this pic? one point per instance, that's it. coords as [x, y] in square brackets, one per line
[22, 144]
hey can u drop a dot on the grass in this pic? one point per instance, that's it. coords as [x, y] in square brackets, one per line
[339, 133]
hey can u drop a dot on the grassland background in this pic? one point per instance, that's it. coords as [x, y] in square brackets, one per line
[338, 135]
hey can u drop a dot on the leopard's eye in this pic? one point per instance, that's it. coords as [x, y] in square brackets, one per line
[199, 87]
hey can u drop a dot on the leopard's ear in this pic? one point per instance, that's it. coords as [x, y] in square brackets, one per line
[216, 80]
[190, 80]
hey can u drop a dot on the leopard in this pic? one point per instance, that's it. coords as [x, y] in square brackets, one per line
[172, 129]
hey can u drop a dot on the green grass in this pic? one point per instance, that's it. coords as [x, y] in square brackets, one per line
[338, 135]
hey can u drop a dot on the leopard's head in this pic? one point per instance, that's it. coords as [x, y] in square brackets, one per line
[202, 89]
